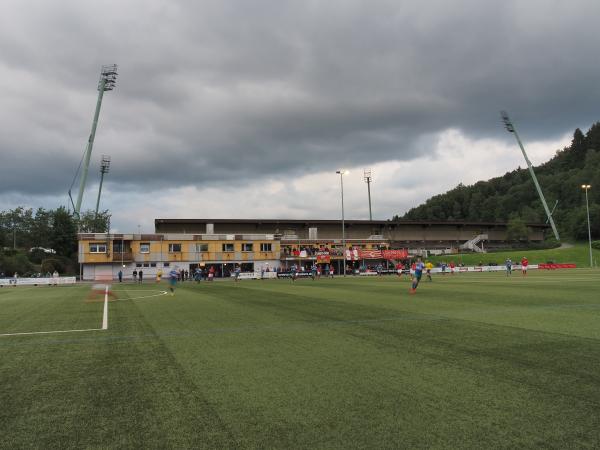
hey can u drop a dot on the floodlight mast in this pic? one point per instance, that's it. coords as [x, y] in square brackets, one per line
[107, 82]
[104, 168]
[511, 129]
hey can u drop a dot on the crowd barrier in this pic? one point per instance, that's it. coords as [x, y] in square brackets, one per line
[36, 281]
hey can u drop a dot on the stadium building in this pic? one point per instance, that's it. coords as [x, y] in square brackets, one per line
[273, 244]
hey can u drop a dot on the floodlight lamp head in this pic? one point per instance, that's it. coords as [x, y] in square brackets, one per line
[586, 186]
[507, 123]
[108, 77]
[105, 164]
[367, 175]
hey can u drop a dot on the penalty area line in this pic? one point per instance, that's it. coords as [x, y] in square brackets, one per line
[50, 332]
[105, 313]
[104, 324]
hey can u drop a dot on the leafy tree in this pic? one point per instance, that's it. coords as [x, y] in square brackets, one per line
[516, 229]
[64, 232]
[89, 222]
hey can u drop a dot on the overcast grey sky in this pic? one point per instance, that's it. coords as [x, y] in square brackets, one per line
[246, 108]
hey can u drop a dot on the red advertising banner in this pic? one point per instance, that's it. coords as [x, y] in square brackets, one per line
[556, 266]
[395, 254]
[369, 254]
[323, 257]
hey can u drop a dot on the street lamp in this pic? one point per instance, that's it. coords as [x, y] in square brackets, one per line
[586, 187]
[368, 178]
[341, 174]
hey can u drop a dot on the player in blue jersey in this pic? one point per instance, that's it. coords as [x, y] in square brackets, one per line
[173, 276]
[419, 266]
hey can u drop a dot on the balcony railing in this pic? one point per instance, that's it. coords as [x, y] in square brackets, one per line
[124, 256]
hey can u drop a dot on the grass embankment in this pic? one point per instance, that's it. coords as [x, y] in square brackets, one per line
[578, 254]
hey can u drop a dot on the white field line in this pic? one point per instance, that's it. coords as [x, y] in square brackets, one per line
[50, 332]
[160, 293]
[105, 315]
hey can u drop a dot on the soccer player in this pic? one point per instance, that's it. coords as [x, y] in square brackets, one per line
[399, 268]
[313, 271]
[508, 264]
[419, 266]
[237, 272]
[134, 275]
[428, 267]
[524, 264]
[173, 276]
[331, 271]
[452, 266]
[159, 275]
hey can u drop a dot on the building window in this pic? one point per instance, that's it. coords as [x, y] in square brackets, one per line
[166, 264]
[97, 248]
[146, 265]
[265, 247]
[174, 248]
[118, 247]
[227, 247]
[145, 247]
[247, 247]
[138, 264]
[152, 264]
[201, 247]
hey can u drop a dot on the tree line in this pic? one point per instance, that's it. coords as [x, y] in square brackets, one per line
[44, 240]
[513, 198]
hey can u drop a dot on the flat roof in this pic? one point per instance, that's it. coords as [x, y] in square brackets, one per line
[339, 221]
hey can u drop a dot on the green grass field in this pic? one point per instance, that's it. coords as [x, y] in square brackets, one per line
[470, 361]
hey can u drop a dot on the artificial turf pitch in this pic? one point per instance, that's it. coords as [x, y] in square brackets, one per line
[477, 360]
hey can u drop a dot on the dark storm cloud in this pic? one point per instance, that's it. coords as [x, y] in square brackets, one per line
[219, 92]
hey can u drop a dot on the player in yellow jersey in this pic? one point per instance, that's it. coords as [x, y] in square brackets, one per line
[428, 267]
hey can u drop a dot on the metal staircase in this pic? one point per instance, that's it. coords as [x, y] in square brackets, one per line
[472, 243]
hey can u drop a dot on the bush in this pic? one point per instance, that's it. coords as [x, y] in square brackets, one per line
[52, 264]
[17, 263]
[596, 245]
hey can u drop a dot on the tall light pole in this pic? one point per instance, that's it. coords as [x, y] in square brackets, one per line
[511, 129]
[104, 168]
[586, 187]
[341, 174]
[368, 179]
[108, 79]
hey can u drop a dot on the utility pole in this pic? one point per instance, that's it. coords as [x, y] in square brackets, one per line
[341, 173]
[587, 187]
[104, 168]
[108, 79]
[511, 129]
[368, 179]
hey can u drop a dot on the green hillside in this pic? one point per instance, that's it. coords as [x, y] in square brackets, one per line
[578, 254]
[512, 197]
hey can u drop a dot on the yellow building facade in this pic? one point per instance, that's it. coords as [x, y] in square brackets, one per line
[102, 256]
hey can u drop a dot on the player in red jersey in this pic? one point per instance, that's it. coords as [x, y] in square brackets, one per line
[524, 264]
[399, 268]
